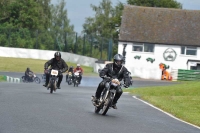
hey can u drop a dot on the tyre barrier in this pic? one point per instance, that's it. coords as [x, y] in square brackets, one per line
[13, 80]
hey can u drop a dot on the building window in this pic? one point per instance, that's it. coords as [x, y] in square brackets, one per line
[143, 47]
[188, 50]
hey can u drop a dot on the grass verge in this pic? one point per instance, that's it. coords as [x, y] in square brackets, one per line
[20, 64]
[181, 100]
[2, 78]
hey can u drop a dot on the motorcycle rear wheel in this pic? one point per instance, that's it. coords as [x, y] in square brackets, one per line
[37, 80]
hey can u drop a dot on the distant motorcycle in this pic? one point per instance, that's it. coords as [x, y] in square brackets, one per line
[76, 79]
[107, 96]
[70, 79]
[33, 79]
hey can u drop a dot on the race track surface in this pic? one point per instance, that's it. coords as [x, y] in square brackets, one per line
[30, 108]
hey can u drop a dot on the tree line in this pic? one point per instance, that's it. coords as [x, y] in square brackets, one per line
[39, 24]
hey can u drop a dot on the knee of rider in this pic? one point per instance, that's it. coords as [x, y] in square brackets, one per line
[102, 84]
[119, 90]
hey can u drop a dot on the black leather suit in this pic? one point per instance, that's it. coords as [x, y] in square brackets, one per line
[113, 71]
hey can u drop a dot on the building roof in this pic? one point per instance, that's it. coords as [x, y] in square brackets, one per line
[160, 25]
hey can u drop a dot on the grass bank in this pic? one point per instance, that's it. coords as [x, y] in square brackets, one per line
[20, 64]
[2, 78]
[182, 100]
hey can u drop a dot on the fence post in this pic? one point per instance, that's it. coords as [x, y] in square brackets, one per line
[91, 46]
[83, 45]
[75, 46]
[101, 47]
[36, 46]
[66, 48]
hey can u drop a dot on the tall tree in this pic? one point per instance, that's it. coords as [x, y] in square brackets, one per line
[102, 20]
[32, 14]
[60, 24]
[156, 3]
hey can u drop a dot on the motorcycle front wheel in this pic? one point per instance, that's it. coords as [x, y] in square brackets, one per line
[97, 109]
[107, 104]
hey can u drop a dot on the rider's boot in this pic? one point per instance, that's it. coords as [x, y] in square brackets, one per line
[58, 85]
[45, 84]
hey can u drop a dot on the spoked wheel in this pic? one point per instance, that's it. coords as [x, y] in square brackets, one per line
[37, 80]
[69, 82]
[74, 84]
[106, 105]
[23, 79]
[51, 88]
[97, 109]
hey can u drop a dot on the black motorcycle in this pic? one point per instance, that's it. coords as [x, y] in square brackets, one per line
[107, 96]
[34, 78]
[70, 78]
[52, 85]
[76, 79]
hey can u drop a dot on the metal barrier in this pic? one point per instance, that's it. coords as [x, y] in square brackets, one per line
[13, 80]
[188, 75]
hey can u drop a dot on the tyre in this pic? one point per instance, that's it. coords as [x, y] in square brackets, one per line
[23, 79]
[51, 87]
[97, 109]
[37, 80]
[106, 105]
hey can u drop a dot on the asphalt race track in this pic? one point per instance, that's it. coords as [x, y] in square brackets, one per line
[30, 108]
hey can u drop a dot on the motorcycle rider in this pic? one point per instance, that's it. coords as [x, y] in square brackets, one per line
[113, 70]
[56, 63]
[71, 69]
[80, 71]
[28, 74]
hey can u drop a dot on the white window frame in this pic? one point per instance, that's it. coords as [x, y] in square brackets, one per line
[188, 48]
[142, 45]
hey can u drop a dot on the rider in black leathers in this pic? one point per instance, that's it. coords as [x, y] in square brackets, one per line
[56, 63]
[113, 70]
[28, 74]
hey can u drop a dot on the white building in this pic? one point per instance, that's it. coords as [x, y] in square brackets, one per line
[150, 36]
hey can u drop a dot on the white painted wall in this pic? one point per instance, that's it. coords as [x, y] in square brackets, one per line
[147, 70]
[45, 55]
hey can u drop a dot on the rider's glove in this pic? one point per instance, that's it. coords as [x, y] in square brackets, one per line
[103, 76]
[45, 70]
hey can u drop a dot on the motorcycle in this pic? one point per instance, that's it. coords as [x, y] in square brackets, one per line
[34, 78]
[107, 96]
[70, 80]
[76, 78]
[52, 85]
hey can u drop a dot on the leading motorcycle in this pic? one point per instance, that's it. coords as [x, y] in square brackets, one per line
[52, 85]
[107, 96]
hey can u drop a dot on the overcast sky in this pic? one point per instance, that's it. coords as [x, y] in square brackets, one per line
[78, 10]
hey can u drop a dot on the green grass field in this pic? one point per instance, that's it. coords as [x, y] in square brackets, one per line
[181, 100]
[37, 66]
